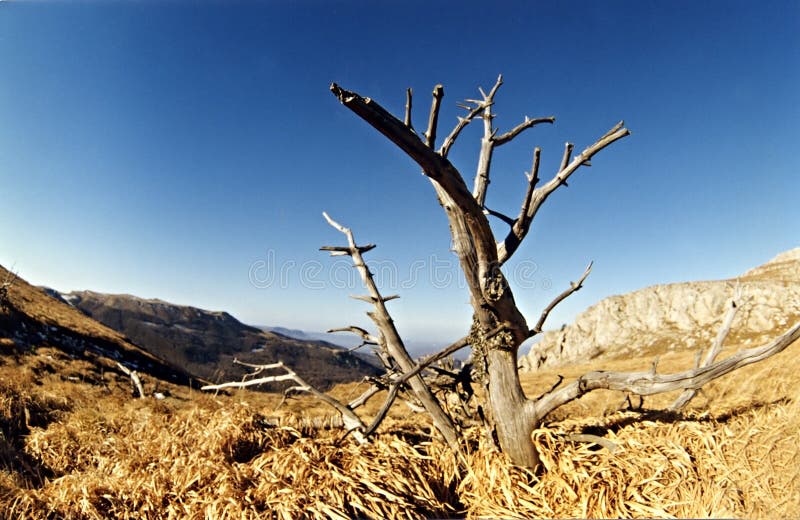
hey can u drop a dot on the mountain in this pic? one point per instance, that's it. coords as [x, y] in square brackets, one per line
[416, 347]
[31, 320]
[340, 340]
[677, 316]
[205, 342]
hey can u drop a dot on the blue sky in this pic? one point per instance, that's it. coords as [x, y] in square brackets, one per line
[186, 150]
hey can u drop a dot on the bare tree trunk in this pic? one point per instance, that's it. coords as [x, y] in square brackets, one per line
[511, 412]
[498, 327]
[508, 413]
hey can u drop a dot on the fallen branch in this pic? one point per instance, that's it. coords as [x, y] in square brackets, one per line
[137, 383]
[352, 422]
[649, 383]
[593, 439]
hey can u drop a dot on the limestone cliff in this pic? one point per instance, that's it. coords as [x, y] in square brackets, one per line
[677, 316]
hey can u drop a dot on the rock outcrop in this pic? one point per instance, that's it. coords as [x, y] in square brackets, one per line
[679, 316]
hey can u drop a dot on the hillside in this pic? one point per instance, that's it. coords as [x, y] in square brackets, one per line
[32, 320]
[206, 342]
[76, 450]
[677, 317]
[74, 444]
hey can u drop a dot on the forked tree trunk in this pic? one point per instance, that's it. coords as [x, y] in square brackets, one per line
[498, 327]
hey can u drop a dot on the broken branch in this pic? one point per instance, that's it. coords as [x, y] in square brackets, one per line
[573, 287]
[366, 336]
[407, 119]
[137, 383]
[505, 218]
[433, 118]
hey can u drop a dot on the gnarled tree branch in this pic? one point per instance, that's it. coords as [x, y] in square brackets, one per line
[650, 383]
[532, 203]
[393, 344]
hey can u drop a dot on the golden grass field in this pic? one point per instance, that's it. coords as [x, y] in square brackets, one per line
[75, 444]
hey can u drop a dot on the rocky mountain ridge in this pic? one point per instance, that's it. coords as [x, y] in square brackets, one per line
[677, 316]
[206, 342]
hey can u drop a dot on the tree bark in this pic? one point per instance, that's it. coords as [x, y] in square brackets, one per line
[512, 415]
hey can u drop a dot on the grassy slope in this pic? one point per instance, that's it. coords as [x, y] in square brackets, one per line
[34, 319]
[87, 450]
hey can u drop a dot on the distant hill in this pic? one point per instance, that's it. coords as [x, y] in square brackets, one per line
[341, 340]
[416, 347]
[33, 319]
[206, 342]
[677, 316]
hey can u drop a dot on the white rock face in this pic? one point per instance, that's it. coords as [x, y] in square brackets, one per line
[677, 317]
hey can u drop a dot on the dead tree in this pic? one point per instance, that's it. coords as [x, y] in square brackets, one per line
[498, 327]
[5, 286]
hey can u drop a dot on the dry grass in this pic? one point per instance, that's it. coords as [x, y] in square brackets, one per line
[85, 449]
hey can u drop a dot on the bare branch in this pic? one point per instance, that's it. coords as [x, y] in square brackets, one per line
[614, 129]
[515, 236]
[713, 352]
[553, 387]
[533, 179]
[137, 383]
[422, 365]
[514, 132]
[573, 287]
[490, 140]
[347, 250]
[399, 381]
[393, 344]
[251, 382]
[371, 299]
[407, 120]
[433, 119]
[366, 336]
[362, 399]
[351, 421]
[647, 383]
[257, 369]
[381, 415]
[505, 218]
[462, 123]
[434, 166]
[481, 183]
[361, 345]
[568, 147]
[477, 107]
[593, 439]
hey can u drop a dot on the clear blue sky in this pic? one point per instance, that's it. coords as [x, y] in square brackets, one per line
[180, 149]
